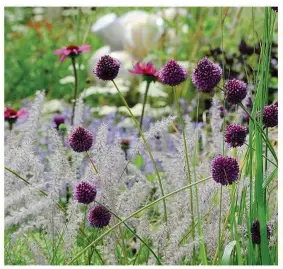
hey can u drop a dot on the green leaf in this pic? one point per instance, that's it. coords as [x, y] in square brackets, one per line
[227, 252]
[138, 161]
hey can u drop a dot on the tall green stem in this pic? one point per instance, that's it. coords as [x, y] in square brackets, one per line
[75, 89]
[187, 160]
[147, 148]
[144, 102]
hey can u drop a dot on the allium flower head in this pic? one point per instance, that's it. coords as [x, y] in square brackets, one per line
[270, 115]
[206, 75]
[255, 231]
[107, 68]
[58, 120]
[235, 135]
[225, 170]
[99, 216]
[147, 70]
[235, 91]
[80, 139]
[85, 193]
[172, 73]
[71, 51]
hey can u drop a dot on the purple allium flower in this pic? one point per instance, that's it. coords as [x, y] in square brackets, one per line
[225, 170]
[99, 216]
[235, 90]
[80, 139]
[85, 193]
[58, 120]
[255, 231]
[235, 135]
[206, 75]
[172, 73]
[107, 68]
[270, 115]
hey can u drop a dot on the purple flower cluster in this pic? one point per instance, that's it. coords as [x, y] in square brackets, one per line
[235, 91]
[235, 135]
[85, 193]
[107, 68]
[255, 231]
[99, 216]
[225, 170]
[80, 139]
[206, 75]
[270, 115]
[172, 73]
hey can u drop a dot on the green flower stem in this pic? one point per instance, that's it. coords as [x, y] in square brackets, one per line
[132, 215]
[144, 102]
[133, 232]
[147, 148]
[92, 163]
[187, 160]
[75, 89]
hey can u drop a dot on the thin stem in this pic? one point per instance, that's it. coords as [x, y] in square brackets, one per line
[147, 148]
[133, 232]
[92, 163]
[187, 160]
[132, 215]
[144, 102]
[75, 89]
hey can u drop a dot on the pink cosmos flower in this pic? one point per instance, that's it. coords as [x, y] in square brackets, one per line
[71, 51]
[12, 114]
[148, 71]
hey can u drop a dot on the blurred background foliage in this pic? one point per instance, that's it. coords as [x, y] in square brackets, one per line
[188, 34]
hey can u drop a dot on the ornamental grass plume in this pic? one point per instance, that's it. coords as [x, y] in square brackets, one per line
[99, 216]
[71, 51]
[235, 135]
[172, 73]
[235, 91]
[225, 170]
[107, 68]
[270, 115]
[80, 139]
[85, 193]
[206, 75]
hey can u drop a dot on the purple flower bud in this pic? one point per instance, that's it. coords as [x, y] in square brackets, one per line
[255, 231]
[58, 120]
[172, 73]
[206, 75]
[236, 91]
[270, 115]
[99, 216]
[235, 135]
[80, 139]
[85, 193]
[107, 68]
[225, 170]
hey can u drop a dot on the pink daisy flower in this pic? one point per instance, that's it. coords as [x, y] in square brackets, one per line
[71, 51]
[12, 114]
[147, 70]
